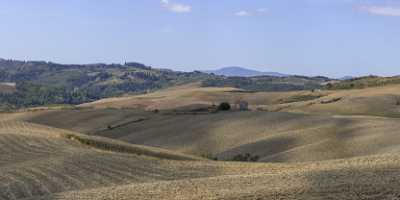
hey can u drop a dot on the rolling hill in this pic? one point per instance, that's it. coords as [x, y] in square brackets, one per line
[43, 83]
[305, 129]
[40, 83]
[171, 144]
[274, 137]
[39, 163]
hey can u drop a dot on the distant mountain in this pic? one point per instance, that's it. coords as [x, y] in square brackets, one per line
[243, 72]
[344, 78]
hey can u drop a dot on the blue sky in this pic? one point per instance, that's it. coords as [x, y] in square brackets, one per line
[310, 37]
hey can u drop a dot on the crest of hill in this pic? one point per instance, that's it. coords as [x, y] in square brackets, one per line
[363, 82]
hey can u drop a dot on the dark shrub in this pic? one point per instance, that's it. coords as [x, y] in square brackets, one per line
[224, 106]
[246, 158]
[209, 156]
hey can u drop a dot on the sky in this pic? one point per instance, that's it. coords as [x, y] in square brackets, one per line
[307, 37]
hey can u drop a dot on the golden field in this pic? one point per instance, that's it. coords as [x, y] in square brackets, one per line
[341, 144]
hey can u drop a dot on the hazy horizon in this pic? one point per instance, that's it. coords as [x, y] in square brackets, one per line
[332, 38]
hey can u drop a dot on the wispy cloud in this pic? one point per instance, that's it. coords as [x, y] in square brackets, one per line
[243, 13]
[247, 13]
[176, 7]
[385, 10]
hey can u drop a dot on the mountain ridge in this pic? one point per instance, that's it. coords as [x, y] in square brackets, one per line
[242, 72]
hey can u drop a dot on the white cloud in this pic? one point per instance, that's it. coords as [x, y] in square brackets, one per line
[176, 7]
[393, 11]
[243, 13]
[246, 13]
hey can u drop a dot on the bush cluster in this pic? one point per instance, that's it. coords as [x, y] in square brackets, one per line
[246, 158]
[224, 106]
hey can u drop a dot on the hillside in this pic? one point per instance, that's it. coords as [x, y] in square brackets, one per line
[363, 82]
[269, 83]
[363, 178]
[199, 97]
[37, 163]
[288, 126]
[39, 83]
[115, 148]
[273, 137]
[38, 160]
[44, 83]
[301, 144]
[381, 101]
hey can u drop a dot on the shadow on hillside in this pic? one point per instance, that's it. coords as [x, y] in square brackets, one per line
[274, 137]
[308, 143]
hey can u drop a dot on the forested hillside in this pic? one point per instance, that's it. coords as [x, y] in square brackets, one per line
[41, 83]
[44, 83]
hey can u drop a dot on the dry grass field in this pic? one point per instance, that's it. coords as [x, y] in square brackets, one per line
[375, 101]
[305, 129]
[311, 145]
[273, 136]
[192, 94]
[39, 162]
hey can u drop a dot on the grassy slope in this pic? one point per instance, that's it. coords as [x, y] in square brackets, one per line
[36, 162]
[276, 137]
[364, 82]
[181, 96]
[377, 101]
[362, 178]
